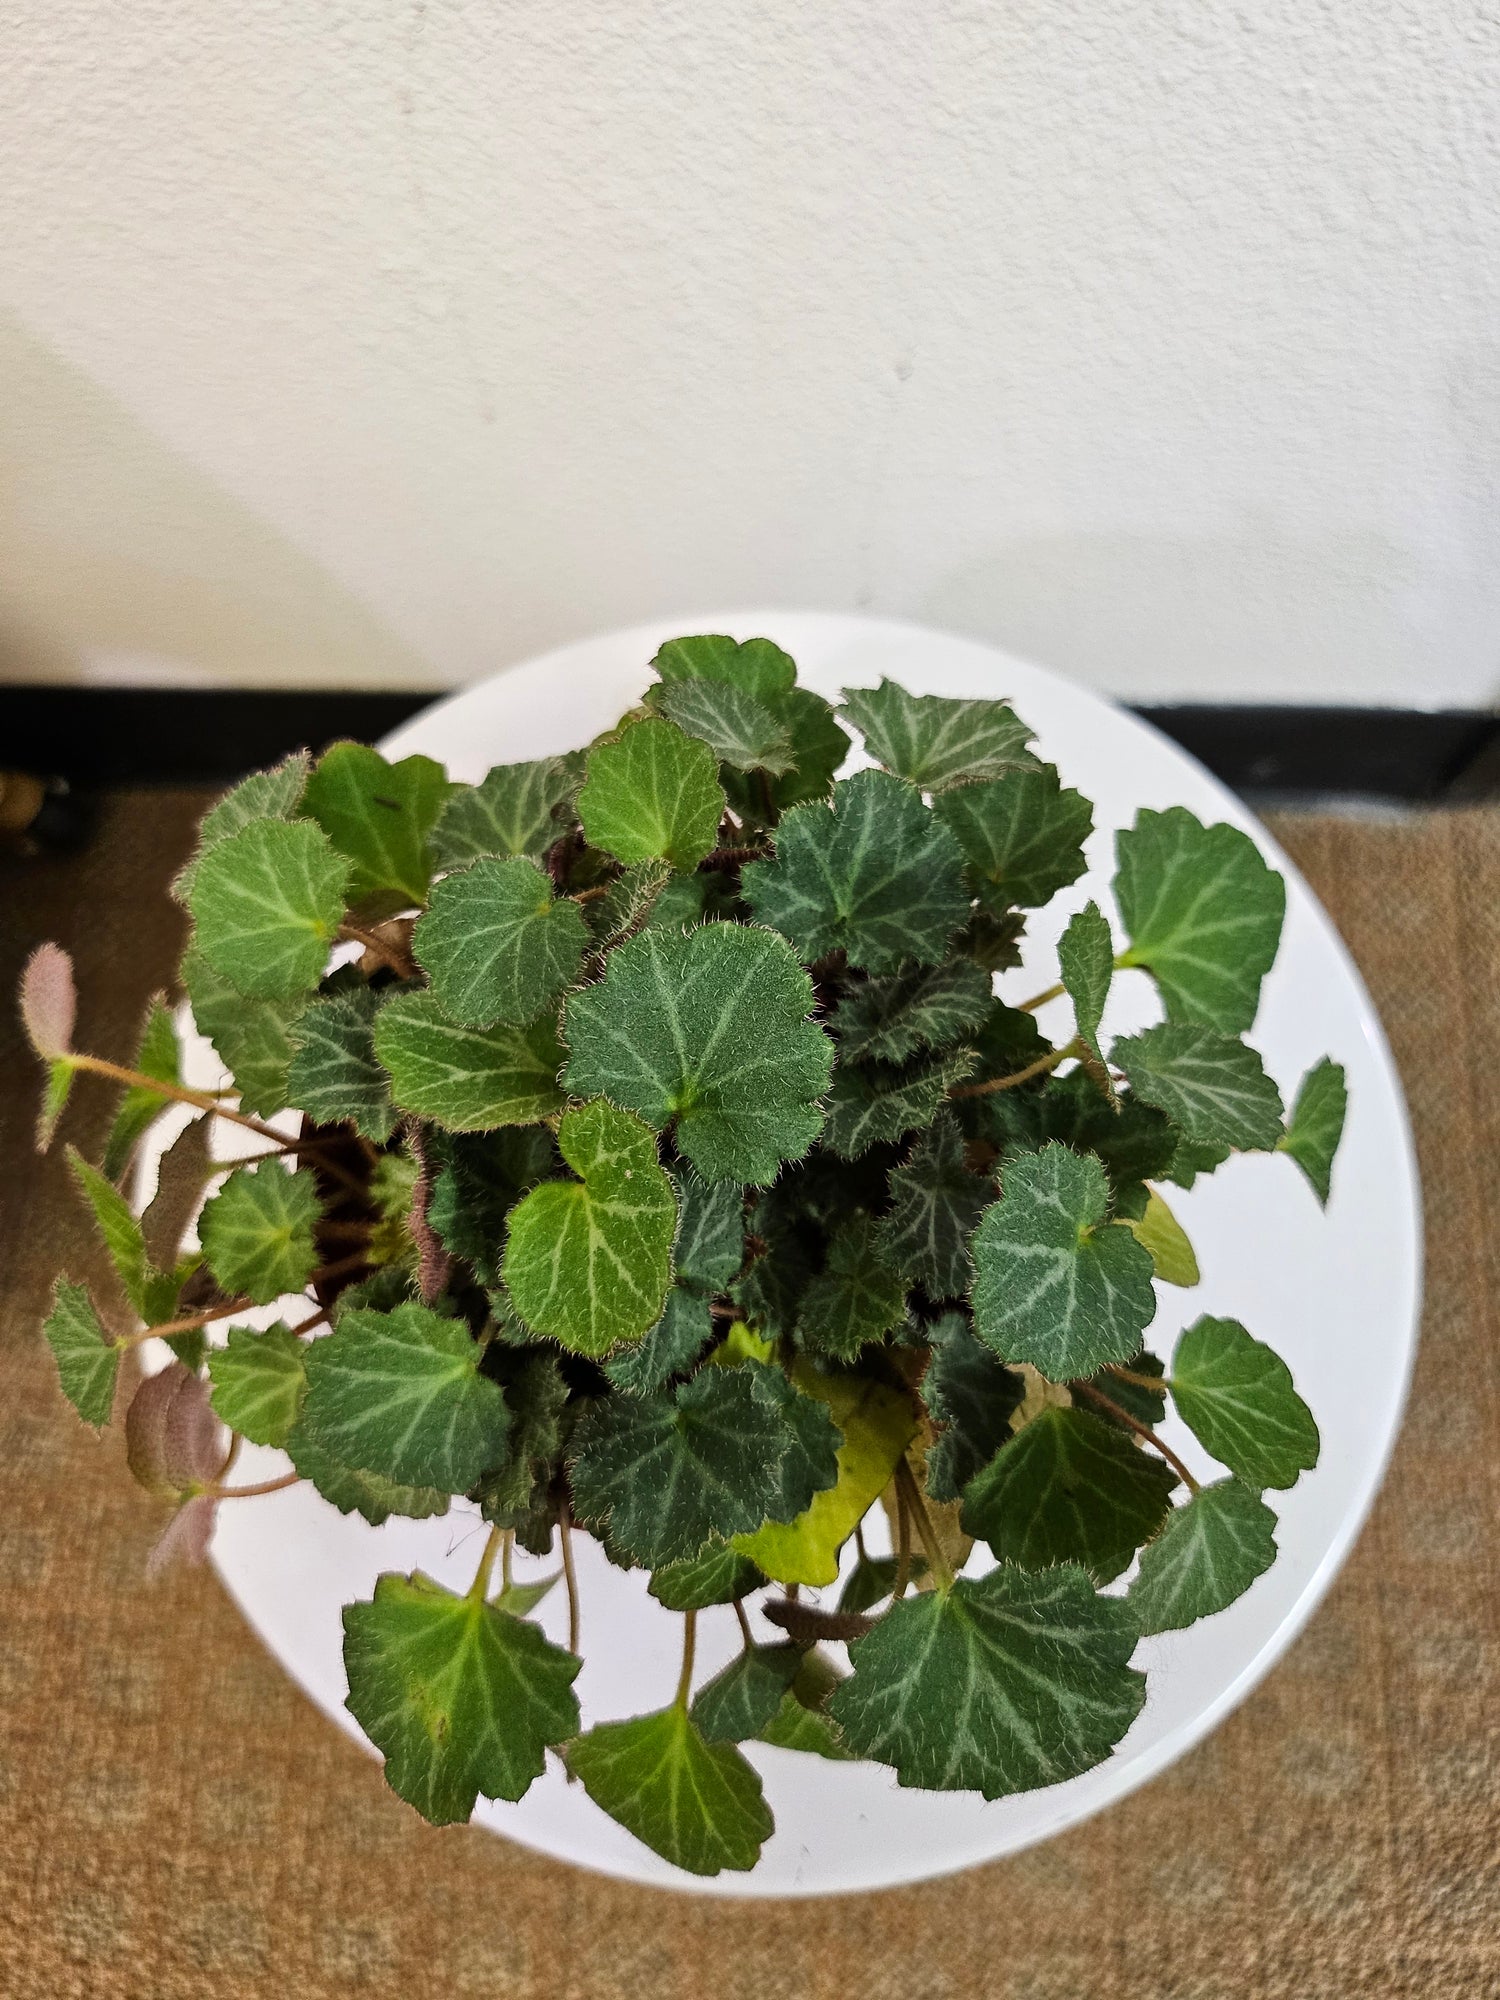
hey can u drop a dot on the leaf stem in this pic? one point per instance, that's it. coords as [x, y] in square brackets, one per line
[1157, 1382]
[1040, 1067]
[903, 1544]
[805, 1624]
[189, 1323]
[317, 1320]
[250, 1492]
[937, 1562]
[507, 1555]
[390, 955]
[1141, 1430]
[591, 895]
[480, 1587]
[570, 1575]
[689, 1648]
[1040, 999]
[745, 1633]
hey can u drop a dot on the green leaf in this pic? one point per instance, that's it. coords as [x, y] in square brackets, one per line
[708, 1029]
[756, 666]
[589, 1261]
[872, 873]
[1147, 1406]
[873, 1578]
[810, 1464]
[1069, 1487]
[669, 1348]
[1210, 1084]
[698, 1805]
[631, 901]
[363, 1493]
[818, 743]
[891, 1018]
[461, 1697]
[797, 1727]
[1022, 835]
[252, 1038]
[481, 1177]
[496, 944]
[117, 1225]
[738, 1703]
[1208, 1554]
[738, 729]
[652, 793]
[1192, 1157]
[710, 1246]
[55, 1094]
[334, 1075]
[468, 1079]
[272, 794]
[267, 903]
[400, 1393]
[513, 810]
[1056, 1285]
[1317, 1124]
[872, 1104]
[517, 1493]
[1235, 1395]
[259, 1381]
[859, 1295]
[1086, 953]
[935, 1204]
[1164, 1236]
[718, 1576]
[1203, 912]
[523, 1598]
[382, 817]
[257, 1232]
[936, 742]
[667, 1473]
[87, 1360]
[1133, 1141]
[971, 1397]
[1002, 1684]
[139, 1108]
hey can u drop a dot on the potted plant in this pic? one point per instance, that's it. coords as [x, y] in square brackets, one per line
[664, 1168]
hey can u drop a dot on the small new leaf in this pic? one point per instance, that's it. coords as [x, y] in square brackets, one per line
[1203, 912]
[698, 1805]
[740, 730]
[461, 1697]
[1022, 836]
[400, 1394]
[1086, 954]
[652, 792]
[259, 1381]
[1056, 1285]
[267, 902]
[1172, 1255]
[710, 1246]
[935, 742]
[49, 1002]
[872, 1104]
[935, 1205]
[139, 1108]
[1002, 1684]
[381, 816]
[118, 1227]
[858, 1297]
[87, 1360]
[1317, 1124]
[889, 1019]
[1208, 1554]
[334, 1074]
[1210, 1084]
[257, 1232]
[496, 945]
[468, 1079]
[589, 1261]
[669, 1348]
[1235, 1395]
[872, 873]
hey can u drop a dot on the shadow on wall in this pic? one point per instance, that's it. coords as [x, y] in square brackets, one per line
[120, 560]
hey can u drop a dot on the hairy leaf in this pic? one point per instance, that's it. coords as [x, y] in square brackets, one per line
[872, 873]
[399, 1393]
[710, 1246]
[1235, 1395]
[1056, 1284]
[334, 1074]
[49, 1002]
[513, 810]
[156, 1055]
[259, 1380]
[738, 729]
[589, 1261]
[708, 1029]
[669, 1348]
[1002, 1684]
[87, 1360]
[468, 1079]
[1317, 1124]
[496, 945]
[1086, 953]
[698, 1805]
[354, 1492]
[1209, 1553]
[1069, 1487]
[1211, 1084]
[1133, 1141]
[257, 1232]
[381, 816]
[859, 1295]
[970, 1396]
[872, 1104]
[461, 1697]
[810, 1465]
[118, 1227]
[1147, 1406]
[272, 794]
[1022, 835]
[481, 1176]
[514, 1494]
[718, 1576]
[794, 1726]
[934, 741]
[252, 1038]
[1203, 912]
[819, 745]
[267, 902]
[891, 1018]
[935, 1204]
[738, 1703]
[873, 1578]
[652, 792]
[756, 666]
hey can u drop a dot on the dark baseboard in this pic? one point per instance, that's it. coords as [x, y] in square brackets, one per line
[96, 736]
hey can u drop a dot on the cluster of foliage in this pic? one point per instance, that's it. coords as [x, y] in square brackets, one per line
[666, 1165]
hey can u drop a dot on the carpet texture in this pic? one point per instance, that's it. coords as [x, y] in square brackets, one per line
[176, 1822]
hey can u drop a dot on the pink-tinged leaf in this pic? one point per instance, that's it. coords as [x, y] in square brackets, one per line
[173, 1440]
[434, 1265]
[49, 1001]
[185, 1538]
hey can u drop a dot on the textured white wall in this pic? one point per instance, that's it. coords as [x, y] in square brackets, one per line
[378, 342]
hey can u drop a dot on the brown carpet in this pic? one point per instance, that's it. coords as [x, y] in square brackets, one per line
[176, 1821]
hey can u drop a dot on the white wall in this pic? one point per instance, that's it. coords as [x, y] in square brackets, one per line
[380, 342]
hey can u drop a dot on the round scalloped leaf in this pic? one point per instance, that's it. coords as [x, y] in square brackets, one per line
[1212, 1085]
[935, 1205]
[698, 1805]
[1209, 1553]
[267, 903]
[380, 815]
[756, 666]
[497, 945]
[1236, 1396]
[468, 1079]
[873, 873]
[1022, 835]
[707, 1030]
[738, 1703]
[652, 793]
[512, 810]
[334, 1075]
[257, 1232]
[589, 1261]
[935, 741]
[886, 1020]
[740, 730]
[259, 1380]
